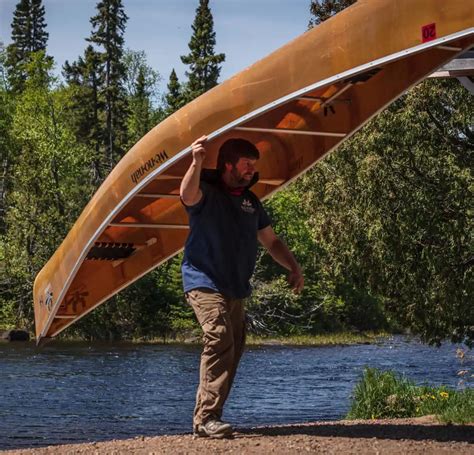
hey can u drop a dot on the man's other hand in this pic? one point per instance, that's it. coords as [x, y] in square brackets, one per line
[296, 280]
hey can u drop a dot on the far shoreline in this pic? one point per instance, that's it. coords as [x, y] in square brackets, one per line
[318, 340]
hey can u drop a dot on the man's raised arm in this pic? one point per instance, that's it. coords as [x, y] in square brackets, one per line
[189, 190]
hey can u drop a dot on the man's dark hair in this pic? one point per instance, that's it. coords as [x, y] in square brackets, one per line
[233, 149]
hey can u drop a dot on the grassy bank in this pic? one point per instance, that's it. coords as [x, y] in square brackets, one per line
[326, 339]
[385, 394]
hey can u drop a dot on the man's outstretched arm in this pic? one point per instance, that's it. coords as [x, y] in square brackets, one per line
[281, 254]
[189, 190]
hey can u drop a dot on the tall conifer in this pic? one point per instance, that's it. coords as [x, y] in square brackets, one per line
[203, 63]
[86, 80]
[174, 97]
[108, 30]
[28, 35]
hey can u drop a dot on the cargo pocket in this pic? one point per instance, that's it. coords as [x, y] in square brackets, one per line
[212, 317]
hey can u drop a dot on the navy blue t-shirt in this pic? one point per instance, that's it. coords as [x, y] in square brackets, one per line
[221, 248]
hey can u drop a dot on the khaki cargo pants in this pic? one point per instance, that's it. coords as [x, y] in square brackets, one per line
[223, 323]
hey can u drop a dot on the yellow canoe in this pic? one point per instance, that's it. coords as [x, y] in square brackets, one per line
[296, 105]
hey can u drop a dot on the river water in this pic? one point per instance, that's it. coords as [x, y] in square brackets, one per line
[77, 392]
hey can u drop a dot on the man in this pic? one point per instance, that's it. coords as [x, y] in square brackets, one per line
[226, 219]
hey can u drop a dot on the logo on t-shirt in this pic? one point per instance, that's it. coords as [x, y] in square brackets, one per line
[247, 206]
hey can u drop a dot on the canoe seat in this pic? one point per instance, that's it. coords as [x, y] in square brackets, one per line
[110, 251]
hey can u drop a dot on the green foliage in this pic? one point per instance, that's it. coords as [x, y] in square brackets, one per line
[390, 210]
[46, 183]
[86, 110]
[204, 64]
[328, 303]
[384, 394]
[141, 84]
[7, 141]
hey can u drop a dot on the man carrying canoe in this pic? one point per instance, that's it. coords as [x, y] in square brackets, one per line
[226, 219]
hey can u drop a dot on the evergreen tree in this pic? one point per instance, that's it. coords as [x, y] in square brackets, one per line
[108, 30]
[28, 35]
[174, 97]
[203, 63]
[324, 9]
[86, 111]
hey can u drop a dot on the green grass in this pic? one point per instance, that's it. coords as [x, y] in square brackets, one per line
[385, 394]
[326, 339]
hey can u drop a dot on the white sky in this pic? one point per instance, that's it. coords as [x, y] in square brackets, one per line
[246, 30]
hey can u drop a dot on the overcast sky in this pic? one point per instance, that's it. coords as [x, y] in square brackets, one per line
[246, 30]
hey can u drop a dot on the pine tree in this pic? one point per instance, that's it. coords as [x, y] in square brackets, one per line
[39, 36]
[28, 35]
[203, 63]
[108, 29]
[324, 9]
[86, 81]
[174, 97]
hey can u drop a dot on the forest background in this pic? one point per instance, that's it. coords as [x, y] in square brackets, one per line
[383, 227]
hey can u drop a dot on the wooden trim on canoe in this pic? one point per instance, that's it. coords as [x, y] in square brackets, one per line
[169, 177]
[275, 182]
[150, 225]
[449, 48]
[289, 131]
[157, 195]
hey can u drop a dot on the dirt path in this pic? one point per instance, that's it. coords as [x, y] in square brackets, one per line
[413, 436]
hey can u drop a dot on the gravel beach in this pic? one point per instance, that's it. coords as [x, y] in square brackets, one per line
[423, 435]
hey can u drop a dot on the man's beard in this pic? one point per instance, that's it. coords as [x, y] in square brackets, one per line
[239, 179]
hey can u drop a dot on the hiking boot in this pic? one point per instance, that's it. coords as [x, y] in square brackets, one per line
[214, 428]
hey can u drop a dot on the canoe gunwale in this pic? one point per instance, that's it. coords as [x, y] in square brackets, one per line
[108, 220]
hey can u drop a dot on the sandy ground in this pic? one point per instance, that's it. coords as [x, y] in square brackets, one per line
[397, 436]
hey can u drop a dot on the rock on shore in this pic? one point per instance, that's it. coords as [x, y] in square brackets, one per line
[14, 335]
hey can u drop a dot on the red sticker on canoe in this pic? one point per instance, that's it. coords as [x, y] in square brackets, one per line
[428, 32]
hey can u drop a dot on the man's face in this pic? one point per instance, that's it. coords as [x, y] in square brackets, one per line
[243, 171]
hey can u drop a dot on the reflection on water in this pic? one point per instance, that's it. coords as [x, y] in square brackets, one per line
[74, 392]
